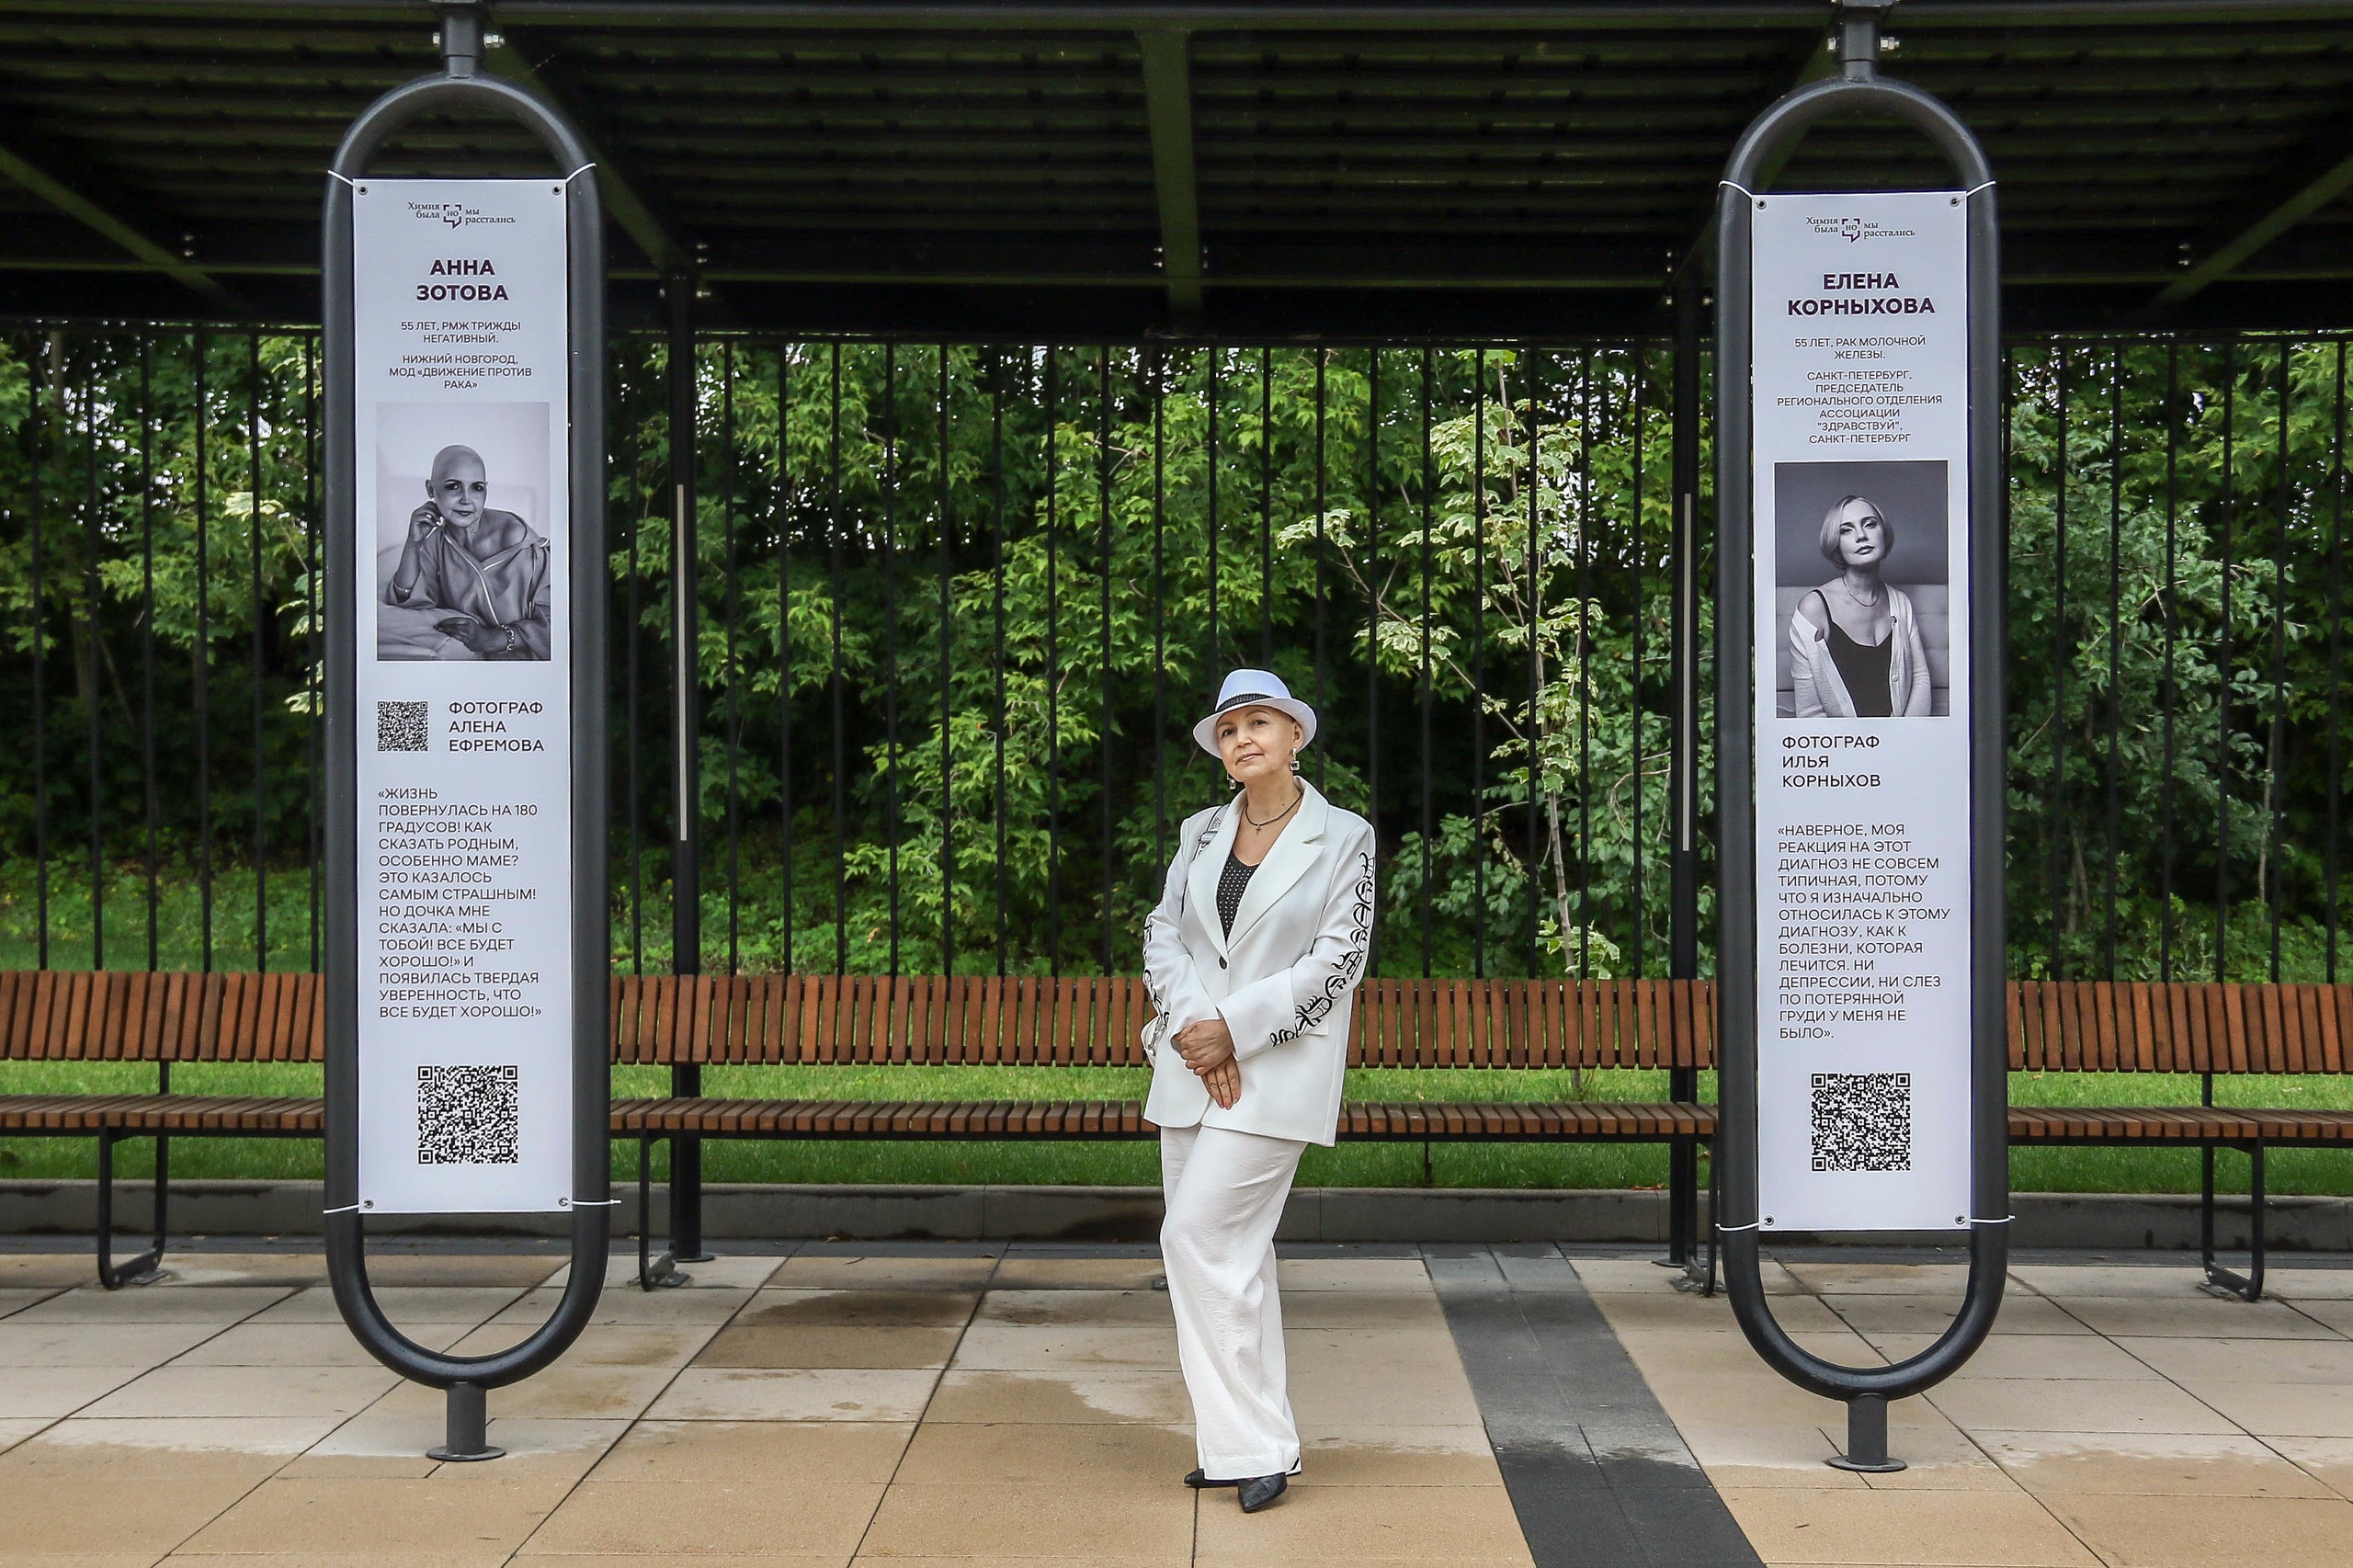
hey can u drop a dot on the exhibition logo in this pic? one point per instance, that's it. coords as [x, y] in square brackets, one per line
[455, 214]
[1852, 229]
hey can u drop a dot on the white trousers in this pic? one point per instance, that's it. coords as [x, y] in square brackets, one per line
[1226, 1192]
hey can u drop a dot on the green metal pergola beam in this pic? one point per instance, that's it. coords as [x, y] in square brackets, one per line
[622, 199]
[15, 166]
[1169, 111]
[2326, 173]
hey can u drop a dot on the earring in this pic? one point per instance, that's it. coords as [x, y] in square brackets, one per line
[1294, 762]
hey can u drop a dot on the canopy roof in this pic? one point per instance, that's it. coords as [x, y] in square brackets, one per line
[1096, 167]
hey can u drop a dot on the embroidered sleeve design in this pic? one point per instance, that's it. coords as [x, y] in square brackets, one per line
[1343, 977]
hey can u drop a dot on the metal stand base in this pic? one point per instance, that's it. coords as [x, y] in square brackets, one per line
[1866, 1438]
[464, 1438]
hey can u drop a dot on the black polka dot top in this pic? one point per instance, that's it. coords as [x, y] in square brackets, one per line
[1230, 886]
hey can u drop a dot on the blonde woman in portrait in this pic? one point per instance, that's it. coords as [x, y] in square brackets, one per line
[1855, 647]
[1252, 958]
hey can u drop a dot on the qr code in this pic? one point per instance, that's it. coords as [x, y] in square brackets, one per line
[467, 1116]
[401, 726]
[1862, 1121]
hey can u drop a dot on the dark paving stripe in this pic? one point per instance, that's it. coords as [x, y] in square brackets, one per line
[1597, 1473]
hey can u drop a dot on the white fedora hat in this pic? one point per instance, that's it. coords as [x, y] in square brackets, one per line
[1254, 688]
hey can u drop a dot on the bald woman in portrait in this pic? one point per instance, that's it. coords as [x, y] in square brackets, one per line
[485, 567]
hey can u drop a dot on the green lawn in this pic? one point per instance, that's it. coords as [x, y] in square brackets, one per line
[1365, 1164]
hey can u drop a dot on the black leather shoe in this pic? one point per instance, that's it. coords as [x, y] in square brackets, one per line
[1199, 1481]
[1260, 1491]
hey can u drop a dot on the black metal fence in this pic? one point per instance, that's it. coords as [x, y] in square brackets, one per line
[958, 606]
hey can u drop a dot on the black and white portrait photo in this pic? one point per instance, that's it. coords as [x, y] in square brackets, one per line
[1862, 590]
[464, 565]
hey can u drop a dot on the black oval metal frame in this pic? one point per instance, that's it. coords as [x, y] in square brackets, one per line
[466, 1378]
[1865, 1390]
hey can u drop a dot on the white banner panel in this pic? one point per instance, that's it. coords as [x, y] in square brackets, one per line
[1860, 573]
[461, 600]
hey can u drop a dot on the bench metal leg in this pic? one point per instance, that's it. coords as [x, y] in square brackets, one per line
[661, 1273]
[2220, 1281]
[147, 1268]
[1700, 1273]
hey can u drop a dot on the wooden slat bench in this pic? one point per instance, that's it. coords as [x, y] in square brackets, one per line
[2217, 1030]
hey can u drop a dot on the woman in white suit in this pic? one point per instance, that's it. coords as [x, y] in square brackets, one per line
[1252, 958]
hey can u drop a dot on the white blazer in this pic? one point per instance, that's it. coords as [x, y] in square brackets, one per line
[1822, 691]
[1285, 982]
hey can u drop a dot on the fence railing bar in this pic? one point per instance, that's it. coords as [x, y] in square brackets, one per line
[786, 513]
[255, 673]
[1103, 729]
[2115, 703]
[947, 690]
[2222, 668]
[2335, 792]
[203, 662]
[1634, 573]
[998, 657]
[1429, 501]
[834, 530]
[2171, 688]
[1478, 667]
[729, 604]
[1052, 399]
[2275, 850]
[890, 629]
[93, 711]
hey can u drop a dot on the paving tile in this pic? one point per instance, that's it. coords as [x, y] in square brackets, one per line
[1329, 1388]
[1336, 1524]
[738, 1346]
[151, 1304]
[1786, 1453]
[2198, 1532]
[1141, 1521]
[1351, 1274]
[719, 1393]
[1937, 1455]
[744, 1273]
[2288, 1410]
[16, 1428]
[1640, 1276]
[239, 1390]
[453, 1514]
[2196, 1314]
[257, 1343]
[567, 1390]
[2327, 1282]
[685, 1517]
[867, 1309]
[1041, 1308]
[1945, 1280]
[1117, 1394]
[2329, 1460]
[377, 1443]
[827, 1272]
[1674, 1312]
[404, 1304]
[1928, 1315]
[2196, 1363]
[779, 1453]
[2087, 1404]
[93, 1344]
[2328, 1312]
[2149, 1463]
[17, 1301]
[514, 1271]
[655, 1309]
[1057, 1348]
[1358, 1309]
[60, 1513]
[46, 1270]
[1395, 1455]
[1996, 1529]
[1011, 1453]
[2059, 1358]
[291, 1270]
[57, 1391]
[604, 1344]
[2065, 1280]
[1029, 1272]
[169, 1447]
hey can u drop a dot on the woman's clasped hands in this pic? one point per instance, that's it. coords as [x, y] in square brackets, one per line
[1207, 1049]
